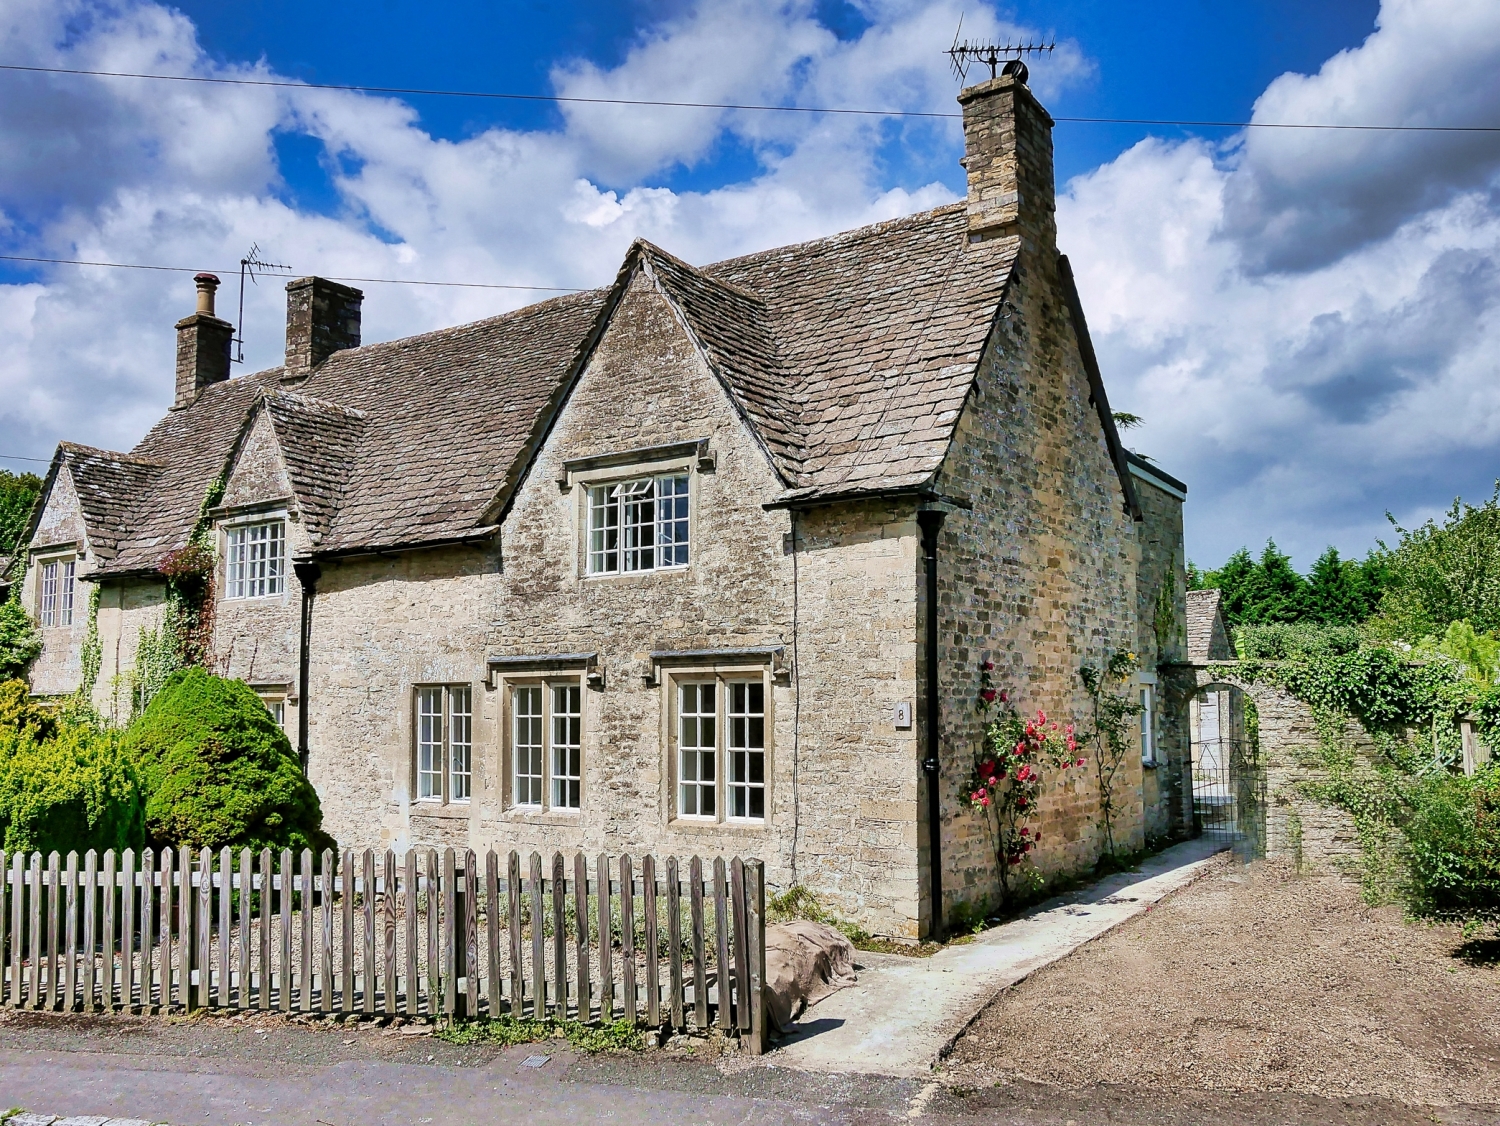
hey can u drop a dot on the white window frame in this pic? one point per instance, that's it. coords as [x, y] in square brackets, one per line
[621, 537]
[554, 728]
[255, 559]
[732, 792]
[57, 584]
[443, 744]
[1147, 718]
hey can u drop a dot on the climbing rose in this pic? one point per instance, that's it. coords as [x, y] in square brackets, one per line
[989, 666]
[988, 695]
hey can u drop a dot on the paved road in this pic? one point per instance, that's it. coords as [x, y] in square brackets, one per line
[213, 1072]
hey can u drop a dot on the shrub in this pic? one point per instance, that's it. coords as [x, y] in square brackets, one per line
[1452, 848]
[17, 712]
[217, 770]
[67, 786]
[19, 640]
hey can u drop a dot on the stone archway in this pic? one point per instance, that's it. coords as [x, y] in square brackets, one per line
[1273, 752]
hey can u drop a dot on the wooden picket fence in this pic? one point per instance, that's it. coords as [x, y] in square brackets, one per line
[415, 934]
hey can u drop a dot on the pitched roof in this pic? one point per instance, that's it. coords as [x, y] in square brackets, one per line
[849, 357]
[1207, 630]
[319, 442]
[109, 487]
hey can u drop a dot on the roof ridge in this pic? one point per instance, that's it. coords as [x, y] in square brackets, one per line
[647, 246]
[868, 230]
[112, 455]
[297, 398]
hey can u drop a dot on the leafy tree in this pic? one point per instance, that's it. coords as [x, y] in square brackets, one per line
[217, 770]
[18, 493]
[1437, 574]
[1273, 591]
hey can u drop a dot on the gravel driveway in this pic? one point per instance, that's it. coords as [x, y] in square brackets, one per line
[1255, 979]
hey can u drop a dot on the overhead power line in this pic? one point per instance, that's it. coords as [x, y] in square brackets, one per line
[662, 102]
[18, 457]
[330, 277]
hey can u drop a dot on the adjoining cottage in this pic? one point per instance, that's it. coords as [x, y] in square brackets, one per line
[705, 561]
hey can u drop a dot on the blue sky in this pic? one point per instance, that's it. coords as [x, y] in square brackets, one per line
[1306, 321]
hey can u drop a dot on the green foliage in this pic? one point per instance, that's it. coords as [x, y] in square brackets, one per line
[217, 770]
[1164, 621]
[157, 657]
[64, 784]
[18, 493]
[1113, 712]
[20, 642]
[508, 1031]
[1444, 573]
[1476, 654]
[1336, 592]
[91, 652]
[797, 902]
[1283, 641]
[1452, 847]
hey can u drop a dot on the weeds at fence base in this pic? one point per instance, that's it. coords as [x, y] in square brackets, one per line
[508, 1031]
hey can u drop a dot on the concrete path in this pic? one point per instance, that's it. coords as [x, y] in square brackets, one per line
[905, 1013]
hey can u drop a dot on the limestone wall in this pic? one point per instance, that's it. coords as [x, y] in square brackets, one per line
[384, 626]
[1038, 576]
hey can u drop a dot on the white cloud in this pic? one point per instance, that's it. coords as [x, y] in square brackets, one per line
[1309, 322]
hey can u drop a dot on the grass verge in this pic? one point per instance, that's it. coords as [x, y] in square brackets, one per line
[508, 1031]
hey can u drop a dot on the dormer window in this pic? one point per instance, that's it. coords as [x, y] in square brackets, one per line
[638, 525]
[255, 560]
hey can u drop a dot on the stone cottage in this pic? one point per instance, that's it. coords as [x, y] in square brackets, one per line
[705, 561]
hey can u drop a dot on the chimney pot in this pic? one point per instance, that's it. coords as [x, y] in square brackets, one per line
[202, 346]
[207, 284]
[322, 317]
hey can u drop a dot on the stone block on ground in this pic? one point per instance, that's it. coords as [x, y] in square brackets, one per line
[805, 962]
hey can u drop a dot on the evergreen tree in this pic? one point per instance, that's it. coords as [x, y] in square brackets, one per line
[1275, 592]
[1335, 590]
[1233, 580]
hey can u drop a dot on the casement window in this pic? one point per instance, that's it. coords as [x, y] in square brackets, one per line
[546, 720]
[57, 588]
[276, 705]
[1148, 723]
[255, 560]
[444, 743]
[639, 525]
[720, 748]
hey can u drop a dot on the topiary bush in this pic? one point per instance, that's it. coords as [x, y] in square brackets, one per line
[66, 786]
[217, 770]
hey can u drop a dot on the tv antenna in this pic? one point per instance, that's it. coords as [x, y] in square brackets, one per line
[248, 265]
[963, 55]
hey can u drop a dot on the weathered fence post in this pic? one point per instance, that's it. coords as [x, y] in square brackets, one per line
[700, 970]
[449, 970]
[605, 914]
[721, 946]
[127, 930]
[674, 940]
[388, 921]
[538, 941]
[627, 937]
[653, 945]
[413, 981]
[90, 926]
[70, 971]
[205, 927]
[164, 940]
[581, 935]
[148, 921]
[267, 905]
[492, 928]
[741, 946]
[559, 936]
[513, 901]
[305, 994]
[346, 913]
[755, 895]
[469, 956]
[187, 945]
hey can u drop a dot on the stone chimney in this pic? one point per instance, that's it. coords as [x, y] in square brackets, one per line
[202, 346]
[1008, 156]
[322, 317]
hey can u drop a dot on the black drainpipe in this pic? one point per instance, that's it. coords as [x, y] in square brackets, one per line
[931, 523]
[308, 575]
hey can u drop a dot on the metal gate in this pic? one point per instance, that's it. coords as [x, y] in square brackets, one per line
[1229, 795]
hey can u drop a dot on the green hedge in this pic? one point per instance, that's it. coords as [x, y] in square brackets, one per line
[217, 770]
[64, 785]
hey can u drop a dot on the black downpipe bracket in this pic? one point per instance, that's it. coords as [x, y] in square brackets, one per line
[931, 522]
[308, 575]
